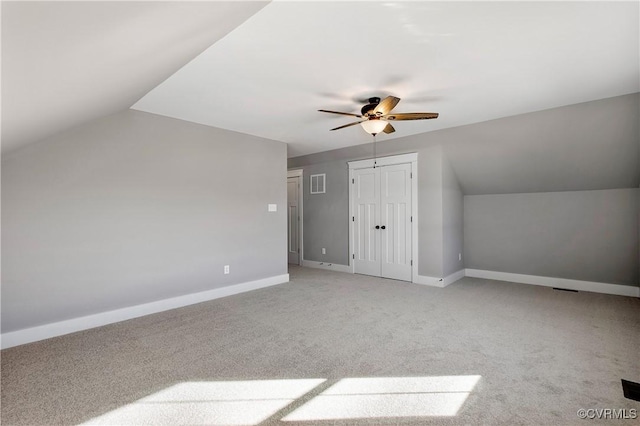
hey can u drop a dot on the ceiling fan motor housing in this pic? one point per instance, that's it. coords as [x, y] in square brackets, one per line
[373, 102]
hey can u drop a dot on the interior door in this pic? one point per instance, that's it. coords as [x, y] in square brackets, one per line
[293, 220]
[395, 221]
[382, 227]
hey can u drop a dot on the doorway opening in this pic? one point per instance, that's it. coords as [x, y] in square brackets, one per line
[294, 217]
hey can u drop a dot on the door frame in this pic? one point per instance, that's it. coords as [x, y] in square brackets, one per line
[411, 158]
[299, 174]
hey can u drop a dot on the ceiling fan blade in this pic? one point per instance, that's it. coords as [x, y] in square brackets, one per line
[389, 129]
[410, 116]
[341, 113]
[350, 124]
[386, 105]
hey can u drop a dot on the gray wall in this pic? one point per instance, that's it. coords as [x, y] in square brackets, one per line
[452, 220]
[326, 215]
[134, 208]
[430, 212]
[582, 235]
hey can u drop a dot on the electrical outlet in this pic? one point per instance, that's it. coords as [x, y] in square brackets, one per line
[324, 250]
[226, 269]
[459, 256]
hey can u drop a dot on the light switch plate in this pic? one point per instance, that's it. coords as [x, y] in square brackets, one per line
[273, 207]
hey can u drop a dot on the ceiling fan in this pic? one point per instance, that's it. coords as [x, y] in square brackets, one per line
[376, 115]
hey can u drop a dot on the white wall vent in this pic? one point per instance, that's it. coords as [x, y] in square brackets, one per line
[318, 183]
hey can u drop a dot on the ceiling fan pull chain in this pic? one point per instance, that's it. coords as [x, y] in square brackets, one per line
[374, 151]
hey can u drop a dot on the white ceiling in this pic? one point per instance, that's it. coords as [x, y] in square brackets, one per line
[65, 63]
[471, 62]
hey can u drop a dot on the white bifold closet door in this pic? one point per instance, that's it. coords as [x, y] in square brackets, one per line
[382, 221]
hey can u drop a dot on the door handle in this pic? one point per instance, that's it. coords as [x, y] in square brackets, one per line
[383, 227]
[377, 226]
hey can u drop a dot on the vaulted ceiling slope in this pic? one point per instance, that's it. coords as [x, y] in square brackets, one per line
[469, 61]
[65, 63]
[588, 146]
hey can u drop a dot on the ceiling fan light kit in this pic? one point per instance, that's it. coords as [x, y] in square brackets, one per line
[374, 126]
[376, 115]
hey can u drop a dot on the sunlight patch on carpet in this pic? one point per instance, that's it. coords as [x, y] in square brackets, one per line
[377, 397]
[211, 403]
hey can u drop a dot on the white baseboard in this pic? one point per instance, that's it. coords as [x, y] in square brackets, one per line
[439, 282]
[28, 335]
[326, 265]
[430, 281]
[450, 279]
[596, 287]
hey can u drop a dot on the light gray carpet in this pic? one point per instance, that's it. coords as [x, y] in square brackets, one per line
[541, 355]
